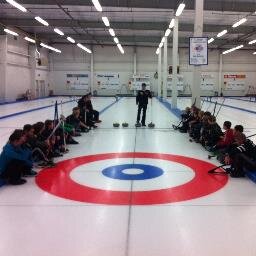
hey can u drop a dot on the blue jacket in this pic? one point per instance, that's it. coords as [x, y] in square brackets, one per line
[10, 153]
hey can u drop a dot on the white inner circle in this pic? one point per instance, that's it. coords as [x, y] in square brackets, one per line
[132, 171]
[90, 174]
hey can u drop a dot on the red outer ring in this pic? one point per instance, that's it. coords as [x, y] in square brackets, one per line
[57, 181]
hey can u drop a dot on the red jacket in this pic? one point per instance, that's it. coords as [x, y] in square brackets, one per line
[228, 138]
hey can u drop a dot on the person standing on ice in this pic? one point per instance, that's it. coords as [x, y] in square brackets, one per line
[142, 102]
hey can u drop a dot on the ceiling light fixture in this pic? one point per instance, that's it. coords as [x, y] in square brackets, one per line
[240, 22]
[84, 48]
[157, 51]
[120, 48]
[106, 21]
[116, 40]
[97, 5]
[8, 31]
[233, 49]
[50, 48]
[222, 33]
[161, 45]
[56, 30]
[30, 40]
[42, 21]
[180, 9]
[167, 32]
[18, 6]
[71, 40]
[112, 32]
[252, 42]
[172, 23]
[211, 40]
[163, 40]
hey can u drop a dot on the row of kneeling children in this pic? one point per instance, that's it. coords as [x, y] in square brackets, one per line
[36, 145]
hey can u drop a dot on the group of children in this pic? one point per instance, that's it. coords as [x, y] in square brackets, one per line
[38, 144]
[230, 146]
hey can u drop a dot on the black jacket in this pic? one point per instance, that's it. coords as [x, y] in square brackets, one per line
[142, 97]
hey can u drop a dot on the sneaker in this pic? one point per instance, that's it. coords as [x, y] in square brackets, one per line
[30, 173]
[73, 142]
[95, 126]
[98, 121]
[143, 125]
[17, 182]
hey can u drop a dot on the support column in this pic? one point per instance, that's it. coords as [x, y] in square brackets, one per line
[135, 61]
[198, 32]
[165, 70]
[3, 67]
[92, 71]
[175, 63]
[220, 75]
[159, 81]
[32, 64]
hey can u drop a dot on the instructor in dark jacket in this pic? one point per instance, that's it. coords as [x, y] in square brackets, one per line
[142, 102]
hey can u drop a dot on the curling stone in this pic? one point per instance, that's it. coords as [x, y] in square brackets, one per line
[125, 125]
[116, 125]
[151, 125]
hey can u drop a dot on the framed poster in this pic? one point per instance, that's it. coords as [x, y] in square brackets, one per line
[78, 81]
[234, 82]
[108, 81]
[198, 51]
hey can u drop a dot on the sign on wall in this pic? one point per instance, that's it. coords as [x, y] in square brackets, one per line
[78, 81]
[207, 82]
[108, 80]
[236, 82]
[198, 51]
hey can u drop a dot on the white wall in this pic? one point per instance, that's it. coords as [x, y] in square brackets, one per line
[109, 59]
[16, 68]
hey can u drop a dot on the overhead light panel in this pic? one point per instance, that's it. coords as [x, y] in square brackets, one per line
[71, 40]
[163, 39]
[254, 53]
[84, 48]
[222, 33]
[210, 40]
[120, 48]
[161, 45]
[97, 5]
[106, 21]
[18, 6]
[252, 42]
[172, 23]
[157, 51]
[50, 48]
[56, 30]
[233, 49]
[180, 9]
[30, 40]
[112, 32]
[116, 40]
[42, 21]
[240, 22]
[8, 31]
[167, 32]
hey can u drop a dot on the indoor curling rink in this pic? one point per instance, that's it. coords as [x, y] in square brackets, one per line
[136, 192]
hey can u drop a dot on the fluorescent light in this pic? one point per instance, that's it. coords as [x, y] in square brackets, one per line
[30, 40]
[157, 51]
[84, 48]
[167, 32]
[42, 21]
[56, 30]
[180, 9]
[222, 33]
[254, 53]
[71, 40]
[240, 22]
[163, 39]
[172, 23]
[120, 48]
[233, 49]
[252, 42]
[50, 48]
[111, 32]
[116, 40]
[210, 40]
[161, 45]
[18, 6]
[97, 5]
[106, 21]
[6, 30]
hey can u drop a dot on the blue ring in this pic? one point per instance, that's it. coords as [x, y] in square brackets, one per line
[149, 172]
